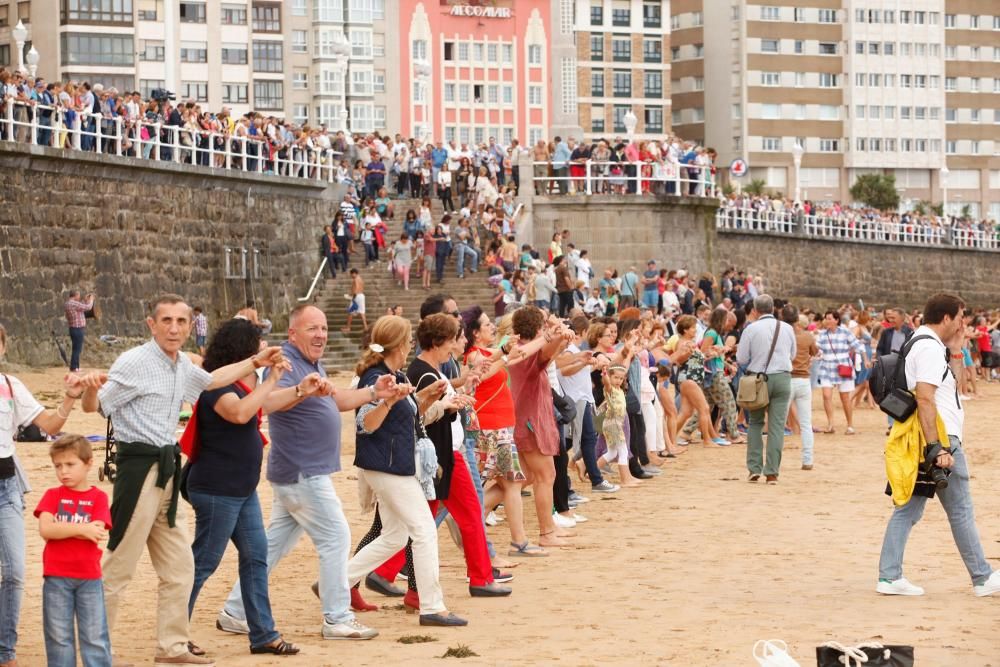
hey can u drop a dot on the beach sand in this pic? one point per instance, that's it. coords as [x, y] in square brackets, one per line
[689, 569]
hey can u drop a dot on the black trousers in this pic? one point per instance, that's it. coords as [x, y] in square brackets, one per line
[637, 443]
[560, 487]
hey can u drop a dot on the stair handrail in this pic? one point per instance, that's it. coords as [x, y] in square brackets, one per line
[312, 288]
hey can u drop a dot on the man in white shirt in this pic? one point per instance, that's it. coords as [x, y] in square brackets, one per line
[930, 374]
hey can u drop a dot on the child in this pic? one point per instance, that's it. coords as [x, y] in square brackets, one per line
[368, 241]
[613, 426]
[73, 519]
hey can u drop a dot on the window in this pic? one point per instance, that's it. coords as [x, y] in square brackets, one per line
[300, 80]
[492, 92]
[918, 18]
[904, 16]
[675, 53]
[951, 146]
[919, 113]
[535, 96]
[148, 10]
[463, 52]
[194, 52]
[652, 18]
[934, 113]
[266, 17]
[449, 51]
[830, 48]
[653, 117]
[771, 144]
[974, 85]
[151, 50]
[266, 57]
[859, 48]
[234, 54]
[300, 7]
[652, 50]
[194, 89]
[829, 112]
[463, 92]
[268, 95]
[534, 54]
[860, 79]
[697, 19]
[950, 83]
[449, 92]
[905, 113]
[949, 20]
[621, 83]
[829, 145]
[361, 81]
[419, 49]
[147, 86]
[873, 16]
[491, 53]
[800, 112]
[974, 22]
[873, 48]
[950, 115]
[299, 42]
[905, 80]
[618, 117]
[508, 95]
[800, 79]
[828, 16]
[507, 52]
[192, 12]
[859, 111]
[889, 48]
[362, 118]
[361, 43]
[699, 50]
[769, 46]
[861, 144]
[874, 80]
[234, 15]
[597, 47]
[799, 15]
[919, 80]
[597, 84]
[378, 82]
[950, 52]
[621, 49]
[652, 82]
[675, 117]
[621, 17]
[890, 112]
[234, 93]
[103, 11]
[770, 111]
[300, 114]
[770, 13]
[874, 112]
[799, 46]
[596, 14]
[770, 78]
[597, 118]
[974, 116]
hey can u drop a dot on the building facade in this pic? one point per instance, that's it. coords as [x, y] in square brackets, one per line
[273, 56]
[862, 86]
[622, 66]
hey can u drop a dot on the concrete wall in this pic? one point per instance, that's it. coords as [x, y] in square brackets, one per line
[129, 229]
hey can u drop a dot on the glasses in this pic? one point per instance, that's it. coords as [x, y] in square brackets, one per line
[456, 314]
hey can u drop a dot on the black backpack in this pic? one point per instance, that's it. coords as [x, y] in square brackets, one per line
[887, 382]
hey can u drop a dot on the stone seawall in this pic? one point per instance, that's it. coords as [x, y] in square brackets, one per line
[823, 273]
[129, 229]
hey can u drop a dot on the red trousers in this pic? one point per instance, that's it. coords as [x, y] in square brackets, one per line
[463, 505]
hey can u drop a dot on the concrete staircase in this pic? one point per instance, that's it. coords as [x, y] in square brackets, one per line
[382, 292]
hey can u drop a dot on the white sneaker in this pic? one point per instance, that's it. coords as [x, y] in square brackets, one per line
[903, 587]
[491, 519]
[563, 521]
[988, 587]
[579, 518]
[348, 630]
[231, 624]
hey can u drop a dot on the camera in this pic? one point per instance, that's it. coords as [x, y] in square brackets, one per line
[938, 475]
[162, 95]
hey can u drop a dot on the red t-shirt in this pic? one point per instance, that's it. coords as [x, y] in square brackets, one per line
[74, 557]
[985, 344]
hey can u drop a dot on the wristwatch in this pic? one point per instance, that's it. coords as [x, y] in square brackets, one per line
[298, 391]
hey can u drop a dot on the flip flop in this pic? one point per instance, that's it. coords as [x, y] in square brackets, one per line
[526, 550]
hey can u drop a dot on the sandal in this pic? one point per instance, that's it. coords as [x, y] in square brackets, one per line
[526, 550]
[194, 649]
[281, 648]
[850, 431]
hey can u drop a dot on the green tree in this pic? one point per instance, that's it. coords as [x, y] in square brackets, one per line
[877, 191]
[967, 212]
[756, 187]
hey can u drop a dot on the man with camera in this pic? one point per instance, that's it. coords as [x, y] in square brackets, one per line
[929, 375]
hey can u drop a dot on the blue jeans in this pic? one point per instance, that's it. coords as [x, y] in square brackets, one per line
[650, 298]
[957, 503]
[477, 481]
[11, 564]
[309, 506]
[464, 249]
[219, 519]
[76, 338]
[63, 600]
[440, 257]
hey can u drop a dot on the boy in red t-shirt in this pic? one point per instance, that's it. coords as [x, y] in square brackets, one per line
[73, 519]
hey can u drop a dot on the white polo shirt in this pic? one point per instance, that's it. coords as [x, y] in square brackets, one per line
[577, 387]
[927, 361]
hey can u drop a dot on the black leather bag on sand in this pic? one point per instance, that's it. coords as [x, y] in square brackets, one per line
[869, 654]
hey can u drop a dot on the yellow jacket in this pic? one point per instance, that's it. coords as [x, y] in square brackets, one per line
[904, 452]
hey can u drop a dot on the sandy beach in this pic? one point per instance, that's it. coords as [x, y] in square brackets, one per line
[690, 569]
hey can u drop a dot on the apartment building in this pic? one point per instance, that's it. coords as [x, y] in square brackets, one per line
[277, 57]
[622, 66]
[901, 86]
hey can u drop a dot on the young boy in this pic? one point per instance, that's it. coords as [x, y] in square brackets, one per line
[73, 519]
[357, 297]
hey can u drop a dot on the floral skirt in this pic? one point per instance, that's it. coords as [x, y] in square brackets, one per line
[496, 454]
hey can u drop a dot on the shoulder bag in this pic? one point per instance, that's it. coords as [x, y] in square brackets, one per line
[751, 394]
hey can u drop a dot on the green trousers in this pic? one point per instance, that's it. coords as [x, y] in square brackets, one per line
[779, 389]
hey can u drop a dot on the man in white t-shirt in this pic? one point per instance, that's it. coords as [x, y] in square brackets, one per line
[930, 376]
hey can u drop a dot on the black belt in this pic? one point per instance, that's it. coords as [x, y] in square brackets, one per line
[7, 467]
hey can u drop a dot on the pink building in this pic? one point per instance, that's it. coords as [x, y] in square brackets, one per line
[472, 69]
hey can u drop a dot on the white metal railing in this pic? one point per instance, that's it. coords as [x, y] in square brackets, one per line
[593, 177]
[57, 127]
[858, 230]
[312, 287]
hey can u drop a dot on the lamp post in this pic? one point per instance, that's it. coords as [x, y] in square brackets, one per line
[797, 152]
[20, 35]
[342, 50]
[943, 173]
[32, 59]
[630, 122]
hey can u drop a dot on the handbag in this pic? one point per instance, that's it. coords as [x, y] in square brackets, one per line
[751, 393]
[565, 408]
[773, 653]
[845, 370]
[869, 654]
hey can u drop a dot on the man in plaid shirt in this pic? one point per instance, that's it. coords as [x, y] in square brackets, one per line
[77, 320]
[836, 343]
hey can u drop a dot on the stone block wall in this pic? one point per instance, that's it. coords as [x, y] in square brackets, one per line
[128, 230]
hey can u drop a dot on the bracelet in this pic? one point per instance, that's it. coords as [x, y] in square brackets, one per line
[59, 412]
[298, 391]
[69, 395]
[371, 388]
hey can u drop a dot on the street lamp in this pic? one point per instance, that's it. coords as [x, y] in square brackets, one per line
[342, 51]
[630, 122]
[797, 152]
[20, 35]
[32, 59]
[943, 173]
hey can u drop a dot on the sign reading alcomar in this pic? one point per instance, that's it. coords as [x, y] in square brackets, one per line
[478, 9]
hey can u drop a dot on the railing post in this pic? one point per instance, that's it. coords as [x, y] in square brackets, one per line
[10, 119]
[118, 135]
[589, 185]
[158, 140]
[211, 149]
[228, 152]
[33, 128]
[175, 142]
